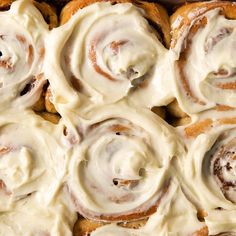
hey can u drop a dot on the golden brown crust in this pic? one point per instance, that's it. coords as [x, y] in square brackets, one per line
[84, 227]
[201, 214]
[155, 13]
[40, 104]
[202, 232]
[160, 111]
[197, 9]
[134, 215]
[54, 118]
[48, 101]
[174, 110]
[224, 108]
[227, 121]
[158, 15]
[134, 224]
[198, 128]
[49, 13]
[73, 6]
[180, 121]
[5, 4]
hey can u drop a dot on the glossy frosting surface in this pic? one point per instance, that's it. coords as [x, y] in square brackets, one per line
[110, 158]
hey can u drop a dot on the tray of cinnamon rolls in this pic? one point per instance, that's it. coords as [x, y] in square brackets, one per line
[121, 117]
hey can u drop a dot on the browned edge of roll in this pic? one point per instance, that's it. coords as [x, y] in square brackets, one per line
[83, 227]
[5, 4]
[228, 8]
[155, 14]
[48, 12]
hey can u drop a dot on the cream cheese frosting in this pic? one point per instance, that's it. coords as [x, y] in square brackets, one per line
[115, 50]
[210, 69]
[110, 158]
[128, 151]
[21, 55]
[221, 221]
[29, 217]
[208, 174]
[32, 170]
[28, 145]
[175, 216]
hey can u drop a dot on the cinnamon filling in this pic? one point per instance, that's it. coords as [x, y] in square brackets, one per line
[4, 150]
[115, 45]
[93, 59]
[180, 64]
[30, 49]
[212, 41]
[136, 214]
[7, 64]
[230, 85]
[119, 128]
[224, 162]
[198, 128]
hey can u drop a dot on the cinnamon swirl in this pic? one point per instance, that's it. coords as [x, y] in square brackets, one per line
[116, 50]
[204, 67]
[209, 173]
[122, 147]
[22, 33]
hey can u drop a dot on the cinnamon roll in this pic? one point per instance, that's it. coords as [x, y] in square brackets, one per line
[21, 55]
[48, 12]
[110, 46]
[29, 156]
[209, 172]
[31, 217]
[124, 157]
[204, 66]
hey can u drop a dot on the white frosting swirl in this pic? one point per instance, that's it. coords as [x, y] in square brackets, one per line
[30, 217]
[221, 222]
[175, 216]
[115, 50]
[207, 76]
[22, 31]
[209, 173]
[128, 151]
[32, 171]
[115, 161]
[30, 159]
